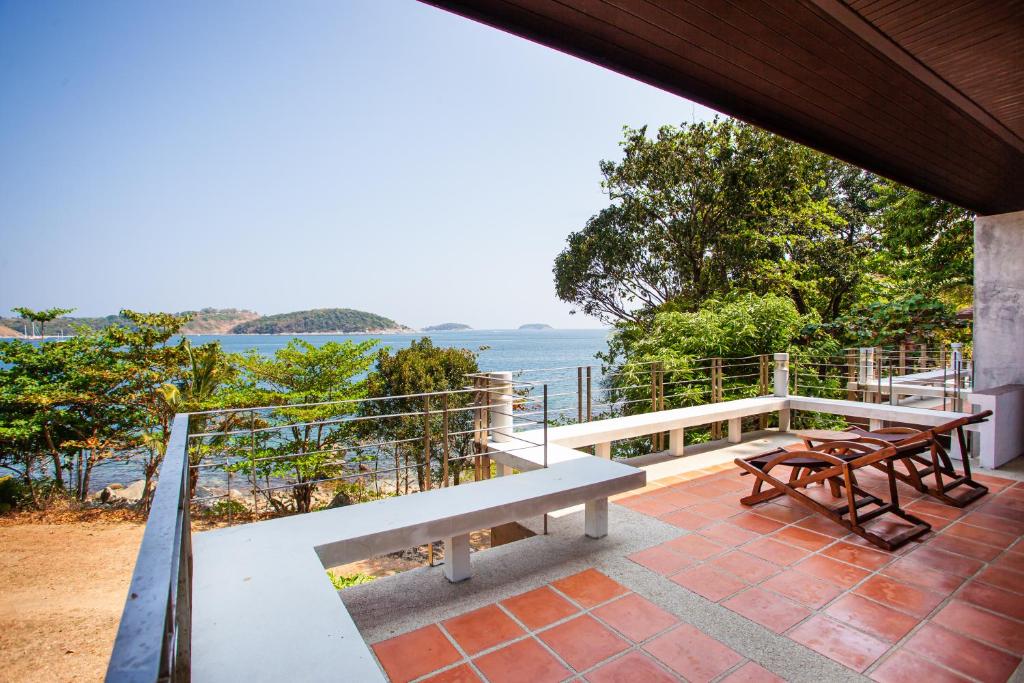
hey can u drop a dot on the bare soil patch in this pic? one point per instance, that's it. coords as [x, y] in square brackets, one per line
[64, 580]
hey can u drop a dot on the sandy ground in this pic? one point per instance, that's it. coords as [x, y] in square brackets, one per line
[62, 588]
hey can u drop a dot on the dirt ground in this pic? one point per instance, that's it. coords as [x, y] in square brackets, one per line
[62, 587]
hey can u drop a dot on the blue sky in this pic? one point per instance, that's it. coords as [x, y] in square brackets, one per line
[386, 156]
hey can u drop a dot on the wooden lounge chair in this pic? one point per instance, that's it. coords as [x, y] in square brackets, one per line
[839, 498]
[930, 459]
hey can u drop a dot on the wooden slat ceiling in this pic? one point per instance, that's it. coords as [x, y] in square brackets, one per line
[927, 92]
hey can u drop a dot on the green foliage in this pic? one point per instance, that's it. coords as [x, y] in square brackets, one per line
[226, 508]
[41, 317]
[340, 581]
[707, 208]
[421, 368]
[339, 320]
[928, 243]
[300, 377]
[913, 318]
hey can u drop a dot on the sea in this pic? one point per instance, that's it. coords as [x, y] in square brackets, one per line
[545, 355]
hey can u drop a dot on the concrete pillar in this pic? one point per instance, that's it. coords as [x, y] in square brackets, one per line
[456, 558]
[595, 518]
[500, 414]
[998, 300]
[781, 374]
[603, 450]
[735, 430]
[675, 441]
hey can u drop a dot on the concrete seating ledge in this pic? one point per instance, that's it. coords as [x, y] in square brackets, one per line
[264, 608]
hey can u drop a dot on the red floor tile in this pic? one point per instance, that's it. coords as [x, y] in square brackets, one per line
[692, 654]
[920, 574]
[979, 624]
[589, 588]
[773, 551]
[715, 510]
[878, 620]
[833, 571]
[978, 534]
[708, 582]
[781, 513]
[900, 595]
[839, 642]
[684, 519]
[525, 661]
[802, 588]
[824, 526]
[728, 534]
[802, 538]
[994, 599]
[695, 546]
[932, 507]
[662, 560]
[681, 499]
[635, 617]
[649, 504]
[905, 667]
[774, 613]
[583, 642]
[1014, 561]
[482, 629]
[756, 523]
[962, 546]
[1003, 578]
[994, 523]
[866, 558]
[460, 674]
[433, 651]
[631, 668]
[751, 672]
[942, 561]
[962, 654]
[747, 567]
[539, 607]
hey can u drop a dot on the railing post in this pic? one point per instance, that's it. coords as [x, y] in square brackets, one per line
[781, 388]
[851, 375]
[445, 446]
[762, 387]
[903, 358]
[716, 383]
[590, 404]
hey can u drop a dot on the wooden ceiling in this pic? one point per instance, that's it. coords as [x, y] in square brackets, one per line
[927, 92]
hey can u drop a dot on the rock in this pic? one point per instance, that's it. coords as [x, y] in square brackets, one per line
[123, 494]
[340, 500]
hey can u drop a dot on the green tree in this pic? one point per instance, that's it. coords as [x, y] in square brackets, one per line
[694, 213]
[42, 317]
[422, 368]
[297, 444]
[928, 243]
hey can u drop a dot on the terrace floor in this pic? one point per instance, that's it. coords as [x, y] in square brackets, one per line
[691, 585]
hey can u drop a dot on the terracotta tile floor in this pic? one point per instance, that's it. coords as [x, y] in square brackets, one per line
[947, 608]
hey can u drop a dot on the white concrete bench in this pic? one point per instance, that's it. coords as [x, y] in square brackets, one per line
[257, 585]
[602, 433]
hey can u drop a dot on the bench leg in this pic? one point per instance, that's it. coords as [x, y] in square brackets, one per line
[675, 441]
[874, 424]
[501, 470]
[735, 430]
[604, 450]
[784, 419]
[595, 518]
[456, 558]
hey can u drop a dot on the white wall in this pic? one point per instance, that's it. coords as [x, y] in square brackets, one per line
[999, 300]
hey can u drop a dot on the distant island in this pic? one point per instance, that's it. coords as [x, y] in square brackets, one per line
[235, 321]
[320, 321]
[447, 327]
[535, 326]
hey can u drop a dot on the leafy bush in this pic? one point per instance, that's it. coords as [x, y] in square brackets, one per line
[346, 580]
[226, 507]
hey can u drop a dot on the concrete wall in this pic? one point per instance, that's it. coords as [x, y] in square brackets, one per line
[999, 300]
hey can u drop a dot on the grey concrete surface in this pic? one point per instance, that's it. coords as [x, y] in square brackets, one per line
[999, 300]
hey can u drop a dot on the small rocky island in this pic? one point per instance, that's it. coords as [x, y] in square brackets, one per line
[536, 326]
[447, 327]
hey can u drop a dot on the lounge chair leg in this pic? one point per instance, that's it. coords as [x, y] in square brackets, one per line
[595, 518]
[456, 558]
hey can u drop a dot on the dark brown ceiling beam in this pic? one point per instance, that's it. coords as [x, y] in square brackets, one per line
[951, 154]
